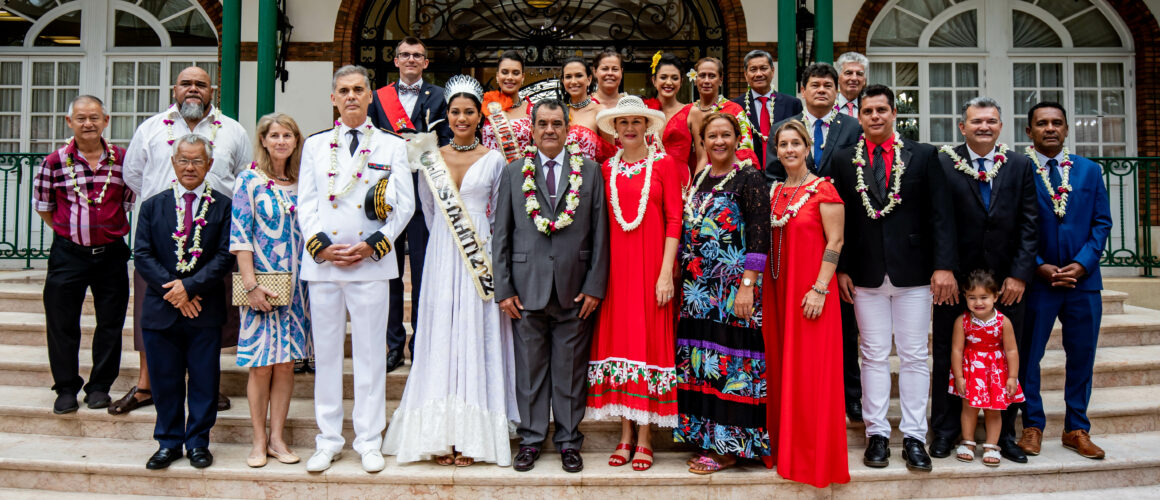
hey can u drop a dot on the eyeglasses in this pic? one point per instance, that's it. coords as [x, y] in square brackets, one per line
[185, 162]
[403, 56]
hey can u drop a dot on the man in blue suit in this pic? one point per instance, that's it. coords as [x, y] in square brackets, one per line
[182, 251]
[1074, 222]
[411, 104]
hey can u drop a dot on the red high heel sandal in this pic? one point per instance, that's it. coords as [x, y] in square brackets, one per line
[642, 465]
[617, 460]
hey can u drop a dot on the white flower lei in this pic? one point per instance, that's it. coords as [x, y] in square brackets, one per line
[692, 215]
[894, 195]
[571, 199]
[826, 121]
[1058, 195]
[768, 106]
[360, 162]
[791, 211]
[284, 204]
[962, 165]
[72, 174]
[216, 125]
[642, 205]
[181, 233]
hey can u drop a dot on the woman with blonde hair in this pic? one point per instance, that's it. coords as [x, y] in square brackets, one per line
[264, 236]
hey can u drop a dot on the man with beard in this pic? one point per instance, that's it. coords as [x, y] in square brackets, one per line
[148, 171]
[993, 191]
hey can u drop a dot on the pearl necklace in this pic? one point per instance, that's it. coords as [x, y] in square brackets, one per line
[642, 205]
[463, 149]
[72, 173]
[583, 104]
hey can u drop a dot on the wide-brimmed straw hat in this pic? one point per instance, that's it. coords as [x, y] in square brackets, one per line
[630, 106]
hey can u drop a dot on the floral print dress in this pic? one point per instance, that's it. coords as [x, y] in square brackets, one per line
[985, 365]
[720, 361]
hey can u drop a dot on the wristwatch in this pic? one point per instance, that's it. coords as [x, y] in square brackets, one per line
[746, 282]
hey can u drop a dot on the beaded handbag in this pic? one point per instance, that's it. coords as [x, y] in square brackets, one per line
[276, 282]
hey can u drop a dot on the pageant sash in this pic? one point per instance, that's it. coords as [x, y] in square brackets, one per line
[393, 107]
[503, 131]
[471, 247]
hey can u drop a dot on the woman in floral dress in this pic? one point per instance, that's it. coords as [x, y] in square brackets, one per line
[720, 357]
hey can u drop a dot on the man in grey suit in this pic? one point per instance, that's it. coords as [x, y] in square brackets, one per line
[832, 132]
[551, 268]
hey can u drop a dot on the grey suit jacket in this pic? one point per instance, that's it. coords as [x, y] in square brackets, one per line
[844, 132]
[528, 263]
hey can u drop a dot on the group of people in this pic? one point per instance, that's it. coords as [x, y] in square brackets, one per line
[735, 271]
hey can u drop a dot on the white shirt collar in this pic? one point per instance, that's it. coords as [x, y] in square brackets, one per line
[810, 117]
[842, 101]
[757, 96]
[418, 82]
[990, 156]
[1058, 158]
[559, 158]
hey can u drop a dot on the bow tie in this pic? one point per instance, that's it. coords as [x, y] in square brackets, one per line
[405, 89]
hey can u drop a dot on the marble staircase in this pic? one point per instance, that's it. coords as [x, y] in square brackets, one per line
[92, 454]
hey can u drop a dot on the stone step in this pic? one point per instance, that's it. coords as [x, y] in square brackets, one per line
[29, 410]
[1137, 492]
[107, 466]
[24, 328]
[39, 494]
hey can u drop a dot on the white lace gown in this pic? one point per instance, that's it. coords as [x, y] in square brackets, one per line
[461, 389]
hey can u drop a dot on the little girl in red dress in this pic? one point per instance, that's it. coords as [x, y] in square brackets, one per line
[984, 366]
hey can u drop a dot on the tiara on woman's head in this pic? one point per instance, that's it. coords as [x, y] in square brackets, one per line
[463, 84]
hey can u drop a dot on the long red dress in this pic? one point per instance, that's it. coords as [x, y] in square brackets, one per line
[631, 373]
[678, 142]
[806, 419]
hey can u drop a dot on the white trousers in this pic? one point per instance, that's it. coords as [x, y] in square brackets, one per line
[366, 301]
[903, 314]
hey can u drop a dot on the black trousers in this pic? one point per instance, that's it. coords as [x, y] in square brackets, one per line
[415, 241]
[172, 354]
[946, 408]
[851, 370]
[72, 269]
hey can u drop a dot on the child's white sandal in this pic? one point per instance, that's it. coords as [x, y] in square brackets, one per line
[991, 455]
[963, 451]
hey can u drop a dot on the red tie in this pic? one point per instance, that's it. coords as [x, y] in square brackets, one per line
[765, 123]
[850, 109]
[188, 221]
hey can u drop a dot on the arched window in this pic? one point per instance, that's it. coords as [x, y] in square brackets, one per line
[125, 51]
[941, 53]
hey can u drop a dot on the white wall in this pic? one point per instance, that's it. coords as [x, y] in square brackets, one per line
[313, 20]
[761, 19]
[306, 99]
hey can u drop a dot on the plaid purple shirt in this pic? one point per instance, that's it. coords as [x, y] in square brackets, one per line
[81, 222]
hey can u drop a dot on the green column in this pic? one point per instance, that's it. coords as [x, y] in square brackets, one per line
[231, 56]
[267, 53]
[787, 46]
[824, 29]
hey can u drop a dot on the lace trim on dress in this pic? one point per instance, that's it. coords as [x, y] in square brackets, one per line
[985, 322]
[432, 429]
[613, 411]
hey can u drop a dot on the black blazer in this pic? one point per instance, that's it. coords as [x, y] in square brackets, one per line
[1002, 238]
[844, 132]
[430, 107]
[784, 106]
[155, 258]
[909, 243]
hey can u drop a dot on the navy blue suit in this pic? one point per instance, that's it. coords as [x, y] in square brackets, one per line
[784, 106]
[1080, 236]
[431, 106]
[175, 345]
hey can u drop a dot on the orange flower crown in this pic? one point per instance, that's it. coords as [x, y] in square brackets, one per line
[504, 100]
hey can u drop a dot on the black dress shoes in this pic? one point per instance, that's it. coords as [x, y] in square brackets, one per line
[65, 403]
[940, 447]
[877, 452]
[97, 400]
[162, 458]
[854, 411]
[526, 458]
[572, 461]
[394, 359]
[915, 455]
[200, 458]
[1010, 450]
[223, 402]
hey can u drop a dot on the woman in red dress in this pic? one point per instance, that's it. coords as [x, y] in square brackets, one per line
[707, 76]
[677, 136]
[576, 83]
[803, 322]
[631, 374]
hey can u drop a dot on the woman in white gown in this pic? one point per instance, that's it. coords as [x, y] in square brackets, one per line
[459, 403]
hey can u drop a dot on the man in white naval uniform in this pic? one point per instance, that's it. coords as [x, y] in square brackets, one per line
[355, 197]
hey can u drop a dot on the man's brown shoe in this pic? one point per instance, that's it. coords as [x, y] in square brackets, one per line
[1079, 441]
[1031, 441]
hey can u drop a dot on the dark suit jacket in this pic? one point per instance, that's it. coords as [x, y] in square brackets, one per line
[844, 132]
[529, 263]
[784, 106]
[155, 258]
[1003, 237]
[1082, 235]
[909, 243]
[430, 107]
